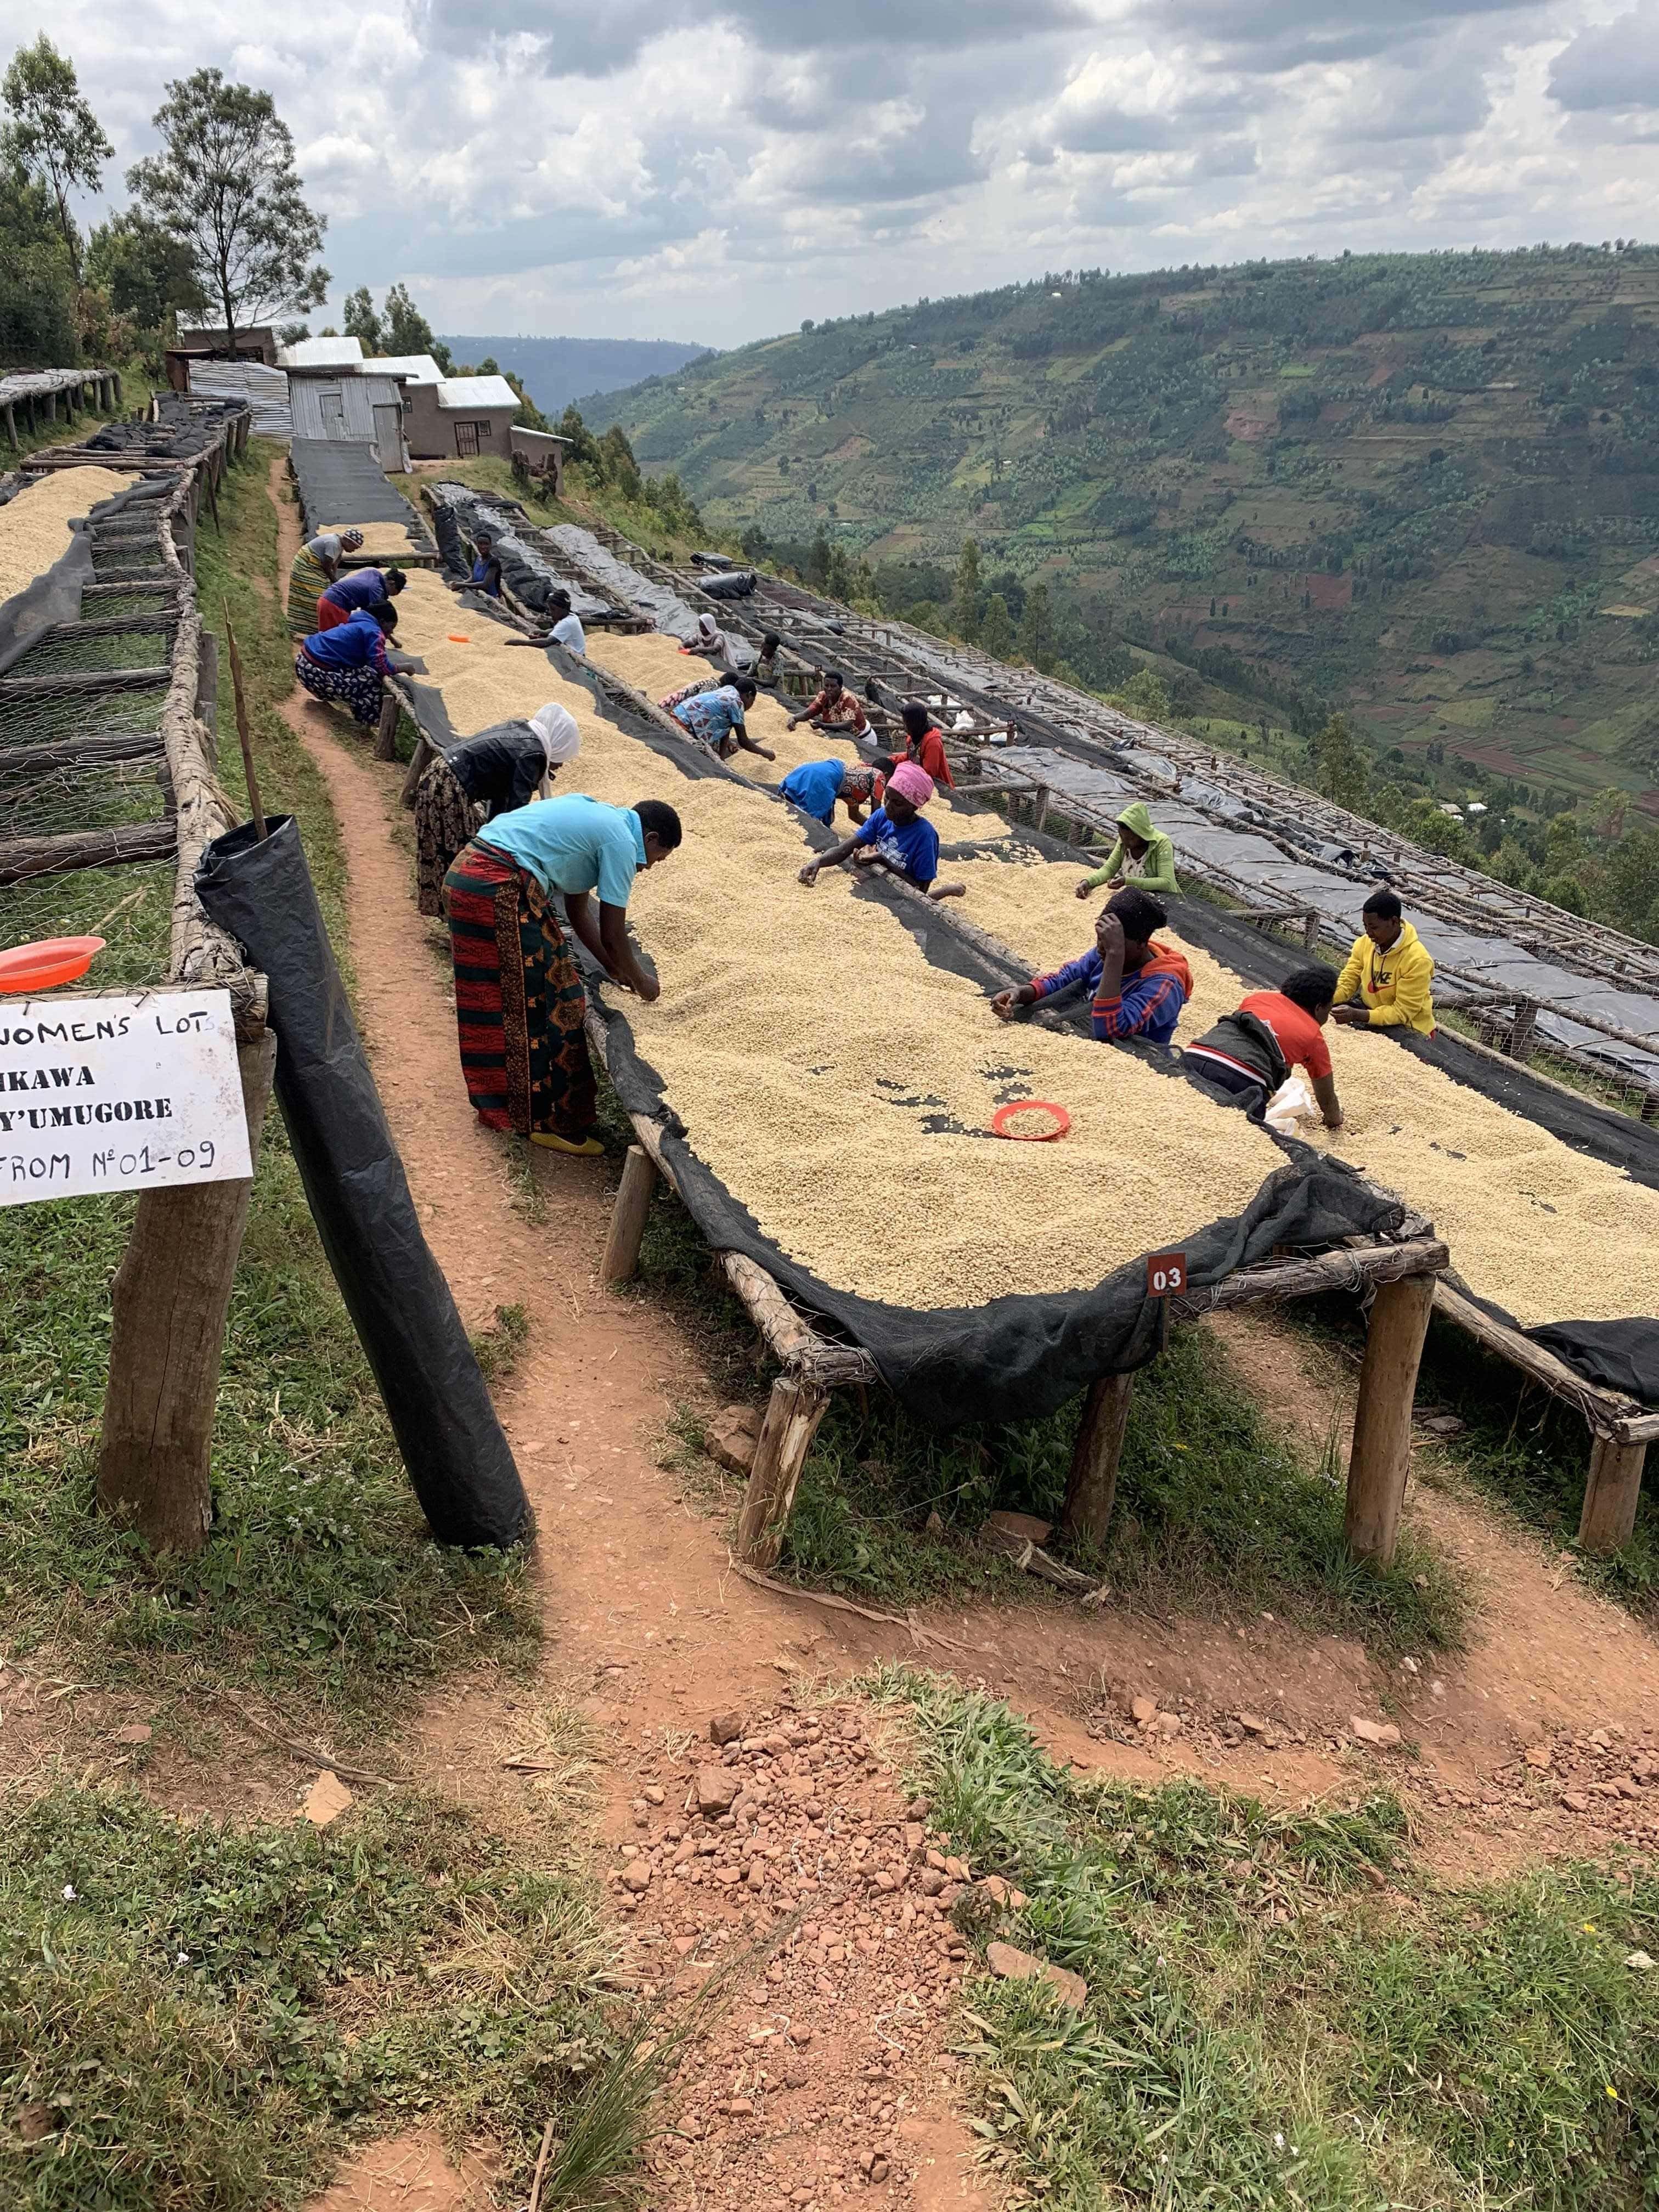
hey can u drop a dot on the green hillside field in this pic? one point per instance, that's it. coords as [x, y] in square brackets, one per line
[1423, 487]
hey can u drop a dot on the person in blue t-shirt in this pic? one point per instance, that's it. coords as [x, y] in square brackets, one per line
[358, 587]
[486, 575]
[895, 837]
[815, 786]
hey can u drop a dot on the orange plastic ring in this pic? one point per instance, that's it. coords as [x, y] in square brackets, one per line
[1000, 1119]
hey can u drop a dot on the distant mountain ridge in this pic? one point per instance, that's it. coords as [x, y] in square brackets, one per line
[1423, 487]
[556, 371]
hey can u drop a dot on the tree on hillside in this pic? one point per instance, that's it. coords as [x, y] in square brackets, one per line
[53, 134]
[225, 185]
[1036, 629]
[37, 279]
[996, 630]
[361, 322]
[407, 330]
[965, 607]
[1339, 771]
[146, 273]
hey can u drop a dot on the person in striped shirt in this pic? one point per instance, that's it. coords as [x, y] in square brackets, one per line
[1138, 986]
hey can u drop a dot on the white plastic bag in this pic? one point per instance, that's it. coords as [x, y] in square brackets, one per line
[1292, 1102]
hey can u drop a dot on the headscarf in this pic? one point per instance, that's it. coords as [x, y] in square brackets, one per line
[555, 727]
[911, 782]
[350, 540]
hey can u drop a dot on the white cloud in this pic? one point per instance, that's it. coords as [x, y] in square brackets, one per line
[716, 171]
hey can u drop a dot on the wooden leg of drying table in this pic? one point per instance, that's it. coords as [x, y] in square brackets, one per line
[628, 1216]
[1379, 1459]
[423, 759]
[1093, 1483]
[1610, 1495]
[793, 1414]
[386, 734]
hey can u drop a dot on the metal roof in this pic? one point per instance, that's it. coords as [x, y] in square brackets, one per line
[417, 367]
[321, 352]
[464, 394]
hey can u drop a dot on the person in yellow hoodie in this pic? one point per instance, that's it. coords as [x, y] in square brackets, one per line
[1389, 972]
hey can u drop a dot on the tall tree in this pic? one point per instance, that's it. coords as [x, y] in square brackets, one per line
[361, 322]
[965, 607]
[1340, 771]
[407, 330]
[1037, 629]
[53, 133]
[37, 280]
[225, 183]
[147, 272]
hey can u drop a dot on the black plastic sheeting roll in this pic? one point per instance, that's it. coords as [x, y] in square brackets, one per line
[458, 1458]
[730, 584]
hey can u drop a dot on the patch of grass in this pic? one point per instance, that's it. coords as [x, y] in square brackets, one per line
[201, 2017]
[320, 1581]
[1214, 1512]
[1262, 2027]
[1522, 1448]
[497, 1348]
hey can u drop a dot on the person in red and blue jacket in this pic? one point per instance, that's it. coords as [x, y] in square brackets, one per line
[1138, 986]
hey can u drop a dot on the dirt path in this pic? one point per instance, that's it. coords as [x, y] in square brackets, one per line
[841, 2053]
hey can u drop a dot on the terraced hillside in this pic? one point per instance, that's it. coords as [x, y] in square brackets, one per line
[1425, 487]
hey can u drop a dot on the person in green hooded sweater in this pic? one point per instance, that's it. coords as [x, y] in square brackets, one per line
[1142, 856]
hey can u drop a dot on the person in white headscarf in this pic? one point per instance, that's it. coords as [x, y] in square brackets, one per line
[731, 653]
[503, 769]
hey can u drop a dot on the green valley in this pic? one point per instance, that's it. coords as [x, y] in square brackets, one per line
[1424, 488]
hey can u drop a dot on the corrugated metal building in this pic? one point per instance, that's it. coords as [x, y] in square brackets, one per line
[365, 409]
[264, 389]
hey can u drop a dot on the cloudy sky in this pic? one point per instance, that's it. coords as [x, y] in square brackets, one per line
[676, 168]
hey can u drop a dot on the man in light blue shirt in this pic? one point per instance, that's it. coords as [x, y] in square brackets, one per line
[574, 845]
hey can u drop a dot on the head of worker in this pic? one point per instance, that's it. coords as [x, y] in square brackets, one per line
[1313, 988]
[746, 689]
[1134, 916]
[351, 541]
[709, 634]
[908, 790]
[661, 829]
[1380, 918]
[916, 719]
[560, 738]
[769, 644]
[1134, 827]
[559, 604]
[385, 614]
[832, 685]
[394, 580]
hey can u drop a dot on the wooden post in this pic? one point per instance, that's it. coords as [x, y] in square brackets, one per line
[385, 732]
[170, 1297]
[1092, 1485]
[243, 736]
[12, 426]
[423, 759]
[628, 1216]
[793, 1414]
[1616, 1483]
[1379, 1458]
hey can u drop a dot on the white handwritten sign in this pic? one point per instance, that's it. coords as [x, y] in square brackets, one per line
[118, 1094]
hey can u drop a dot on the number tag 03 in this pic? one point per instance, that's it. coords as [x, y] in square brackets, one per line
[1166, 1274]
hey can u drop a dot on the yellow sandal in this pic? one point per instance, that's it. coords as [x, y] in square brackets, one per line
[589, 1149]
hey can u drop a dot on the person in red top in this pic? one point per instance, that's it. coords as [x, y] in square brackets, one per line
[835, 707]
[925, 743]
[1249, 1053]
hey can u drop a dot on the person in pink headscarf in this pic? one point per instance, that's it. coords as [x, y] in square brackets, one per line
[895, 837]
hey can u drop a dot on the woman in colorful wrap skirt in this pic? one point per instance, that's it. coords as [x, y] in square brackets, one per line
[520, 1004]
[315, 567]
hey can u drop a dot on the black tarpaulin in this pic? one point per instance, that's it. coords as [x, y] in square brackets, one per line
[458, 1458]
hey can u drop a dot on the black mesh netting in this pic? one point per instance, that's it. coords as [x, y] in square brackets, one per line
[341, 481]
[1015, 1358]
